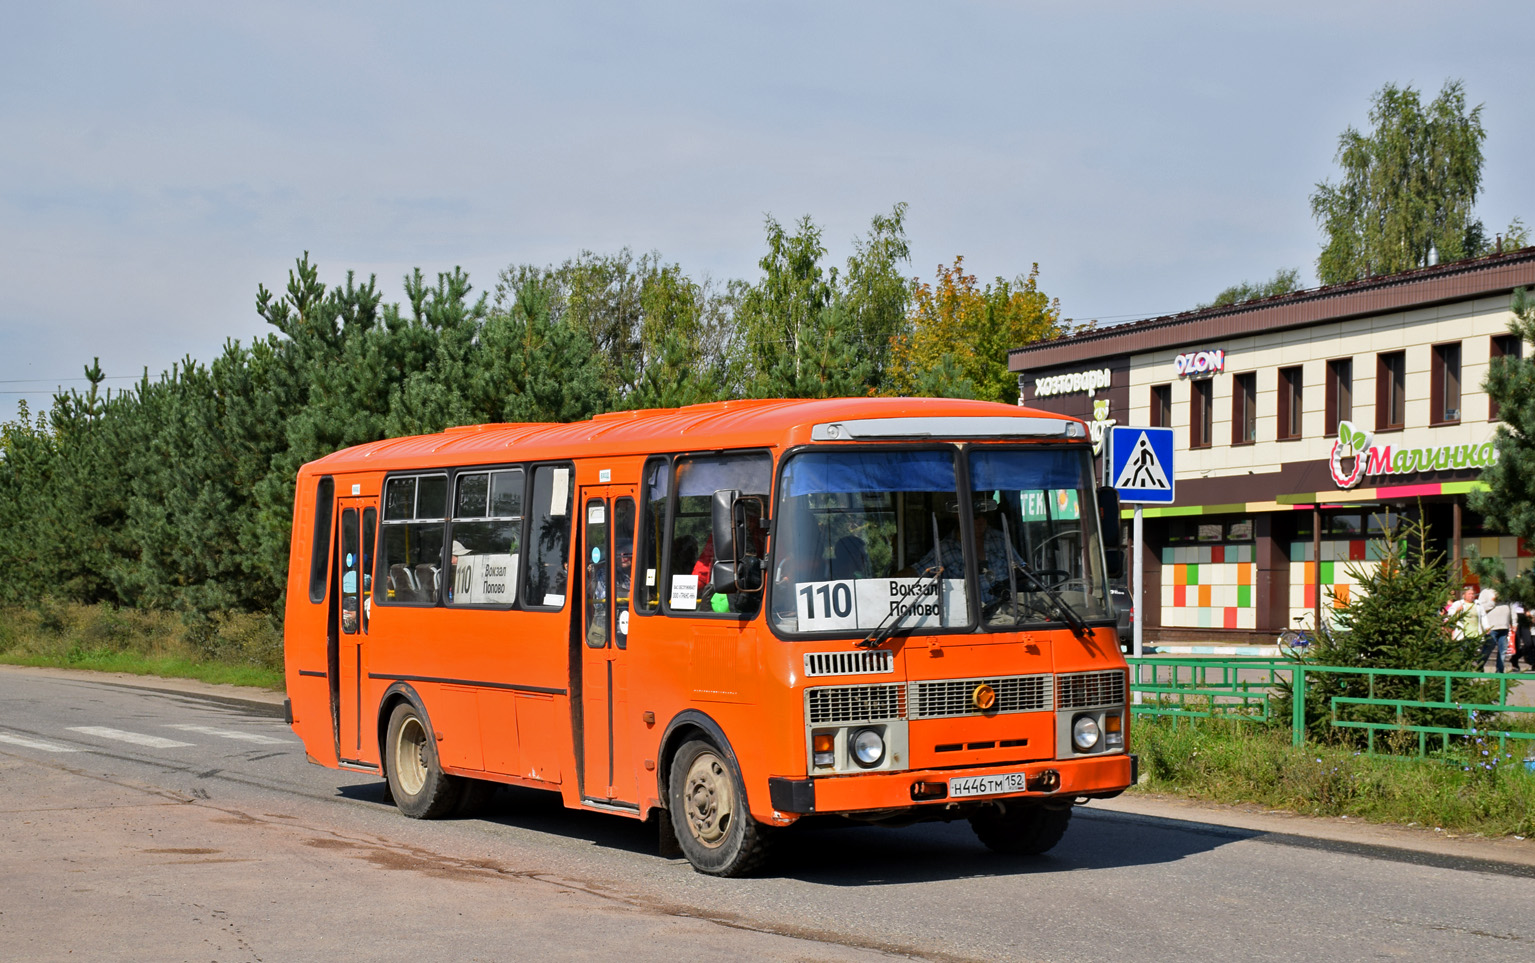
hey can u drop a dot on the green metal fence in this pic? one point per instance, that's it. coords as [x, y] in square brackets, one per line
[1247, 688]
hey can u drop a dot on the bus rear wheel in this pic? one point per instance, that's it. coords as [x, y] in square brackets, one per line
[707, 806]
[1021, 829]
[420, 788]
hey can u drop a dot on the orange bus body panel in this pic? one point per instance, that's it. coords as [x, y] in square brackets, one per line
[497, 683]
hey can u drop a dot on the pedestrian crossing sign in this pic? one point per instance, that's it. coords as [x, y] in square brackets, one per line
[1141, 463]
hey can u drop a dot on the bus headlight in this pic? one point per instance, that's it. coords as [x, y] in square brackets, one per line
[868, 748]
[1084, 733]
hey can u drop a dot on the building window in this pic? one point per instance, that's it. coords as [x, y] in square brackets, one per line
[1444, 391]
[1503, 346]
[1244, 408]
[1340, 393]
[1201, 411]
[1161, 406]
[1390, 390]
[1290, 408]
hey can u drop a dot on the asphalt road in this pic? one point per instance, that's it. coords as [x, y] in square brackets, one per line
[143, 824]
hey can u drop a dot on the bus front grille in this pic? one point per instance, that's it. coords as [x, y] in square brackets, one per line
[1084, 690]
[861, 662]
[839, 704]
[947, 698]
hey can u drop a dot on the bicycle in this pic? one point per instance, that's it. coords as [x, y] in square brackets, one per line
[1299, 637]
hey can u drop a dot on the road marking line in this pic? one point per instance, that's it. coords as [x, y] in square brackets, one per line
[34, 743]
[232, 734]
[137, 738]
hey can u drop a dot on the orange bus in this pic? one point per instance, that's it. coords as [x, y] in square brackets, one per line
[729, 616]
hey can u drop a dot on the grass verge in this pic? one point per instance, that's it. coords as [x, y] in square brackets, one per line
[237, 649]
[1474, 789]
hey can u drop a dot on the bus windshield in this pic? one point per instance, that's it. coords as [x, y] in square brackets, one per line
[1040, 505]
[869, 537]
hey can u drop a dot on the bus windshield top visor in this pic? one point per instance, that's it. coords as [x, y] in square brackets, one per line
[981, 427]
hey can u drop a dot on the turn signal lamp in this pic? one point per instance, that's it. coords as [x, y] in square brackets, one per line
[823, 748]
[1113, 736]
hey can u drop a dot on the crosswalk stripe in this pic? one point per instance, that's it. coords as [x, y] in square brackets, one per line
[137, 738]
[255, 737]
[34, 743]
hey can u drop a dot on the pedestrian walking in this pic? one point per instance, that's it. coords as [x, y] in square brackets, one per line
[1496, 618]
[1464, 618]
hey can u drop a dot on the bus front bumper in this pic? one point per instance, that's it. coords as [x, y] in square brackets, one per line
[1096, 776]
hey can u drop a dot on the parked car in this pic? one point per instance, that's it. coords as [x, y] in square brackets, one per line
[1119, 591]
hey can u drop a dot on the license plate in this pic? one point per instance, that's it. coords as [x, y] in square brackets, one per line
[987, 785]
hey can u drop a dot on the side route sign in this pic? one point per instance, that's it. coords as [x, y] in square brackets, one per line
[1141, 464]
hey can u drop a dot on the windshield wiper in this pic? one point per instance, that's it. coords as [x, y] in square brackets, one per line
[899, 614]
[1068, 614]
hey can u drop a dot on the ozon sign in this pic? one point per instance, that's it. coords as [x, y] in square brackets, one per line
[1200, 362]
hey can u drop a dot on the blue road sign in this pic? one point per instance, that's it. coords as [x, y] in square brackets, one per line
[1141, 464]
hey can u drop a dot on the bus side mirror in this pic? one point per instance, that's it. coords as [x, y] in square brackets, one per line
[1108, 531]
[737, 558]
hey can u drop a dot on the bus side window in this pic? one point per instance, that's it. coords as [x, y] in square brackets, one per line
[548, 547]
[652, 533]
[698, 477]
[319, 557]
[487, 525]
[415, 521]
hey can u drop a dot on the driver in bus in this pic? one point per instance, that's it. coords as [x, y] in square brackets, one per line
[951, 554]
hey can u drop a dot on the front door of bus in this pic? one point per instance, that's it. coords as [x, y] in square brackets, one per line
[607, 567]
[354, 587]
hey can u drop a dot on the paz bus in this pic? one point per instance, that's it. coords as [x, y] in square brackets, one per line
[728, 616]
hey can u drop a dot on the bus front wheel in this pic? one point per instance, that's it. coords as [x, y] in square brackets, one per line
[1021, 830]
[419, 786]
[709, 815]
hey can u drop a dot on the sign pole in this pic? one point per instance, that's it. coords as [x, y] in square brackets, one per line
[1136, 534]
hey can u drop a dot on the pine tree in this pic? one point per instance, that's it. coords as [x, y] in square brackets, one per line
[1394, 619]
[1507, 504]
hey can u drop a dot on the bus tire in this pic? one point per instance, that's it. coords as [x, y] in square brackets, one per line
[707, 806]
[1021, 829]
[420, 788]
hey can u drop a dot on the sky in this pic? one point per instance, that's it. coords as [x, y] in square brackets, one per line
[159, 161]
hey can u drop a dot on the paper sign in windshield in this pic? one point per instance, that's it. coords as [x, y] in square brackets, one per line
[868, 603]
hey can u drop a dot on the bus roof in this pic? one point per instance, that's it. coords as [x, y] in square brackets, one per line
[755, 423]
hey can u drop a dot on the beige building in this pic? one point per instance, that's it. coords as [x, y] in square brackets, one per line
[1304, 427]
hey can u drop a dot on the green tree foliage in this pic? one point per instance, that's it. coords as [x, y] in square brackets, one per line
[957, 335]
[1407, 187]
[1394, 618]
[1284, 281]
[806, 330]
[1507, 504]
[178, 493]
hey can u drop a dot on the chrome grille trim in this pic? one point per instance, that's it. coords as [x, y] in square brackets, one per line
[841, 704]
[948, 698]
[849, 663]
[1086, 690]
